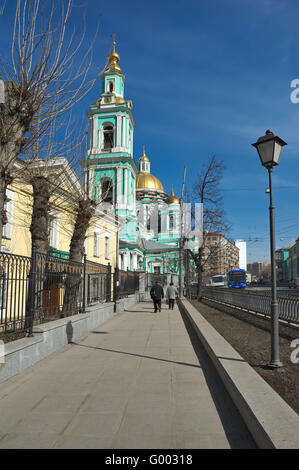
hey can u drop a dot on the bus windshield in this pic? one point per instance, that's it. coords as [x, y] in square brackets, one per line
[218, 278]
[236, 277]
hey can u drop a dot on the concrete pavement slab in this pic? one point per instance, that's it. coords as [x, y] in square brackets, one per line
[137, 381]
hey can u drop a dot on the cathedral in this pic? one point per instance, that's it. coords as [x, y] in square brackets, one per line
[148, 218]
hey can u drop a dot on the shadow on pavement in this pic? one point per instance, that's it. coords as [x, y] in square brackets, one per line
[100, 333]
[139, 355]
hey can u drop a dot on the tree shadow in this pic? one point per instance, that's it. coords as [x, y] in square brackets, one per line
[69, 332]
[139, 355]
[100, 332]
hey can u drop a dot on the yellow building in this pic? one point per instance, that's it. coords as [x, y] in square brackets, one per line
[101, 242]
[51, 274]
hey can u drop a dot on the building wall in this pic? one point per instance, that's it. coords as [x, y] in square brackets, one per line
[17, 236]
[242, 254]
[98, 232]
[219, 255]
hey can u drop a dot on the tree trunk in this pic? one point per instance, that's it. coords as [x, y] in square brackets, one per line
[39, 246]
[85, 211]
[39, 227]
[5, 180]
[14, 123]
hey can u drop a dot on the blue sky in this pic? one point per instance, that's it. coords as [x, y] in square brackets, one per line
[207, 77]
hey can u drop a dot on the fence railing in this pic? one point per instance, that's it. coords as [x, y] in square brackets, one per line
[14, 284]
[128, 283]
[255, 301]
[153, 277]
[40, 288]
[98, 282]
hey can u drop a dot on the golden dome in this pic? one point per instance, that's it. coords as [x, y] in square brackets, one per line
[119, 100]
[143, 158]
[148, 181]
[113, 59]
[172, 199]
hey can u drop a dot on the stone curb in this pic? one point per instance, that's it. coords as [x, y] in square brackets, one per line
[271, 421]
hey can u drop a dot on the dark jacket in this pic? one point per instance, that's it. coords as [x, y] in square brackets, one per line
[157, 292]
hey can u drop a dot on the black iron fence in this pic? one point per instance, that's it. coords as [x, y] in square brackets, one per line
[128, 283]
[257, 302]
[98, 282]
[40, 288]
[14, 284]
[153, 277]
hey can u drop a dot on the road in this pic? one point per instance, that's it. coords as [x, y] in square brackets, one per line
[280, 290]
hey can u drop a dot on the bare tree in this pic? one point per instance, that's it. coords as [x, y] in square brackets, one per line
[85, 205]
[45, 77]
[206, 191]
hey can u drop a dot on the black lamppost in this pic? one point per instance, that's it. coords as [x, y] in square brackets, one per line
[269, 149]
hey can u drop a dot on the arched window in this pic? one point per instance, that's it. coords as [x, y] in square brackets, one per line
[108, 136]
[107, 190]
[111, 87]
[171, 222]
[159, 222]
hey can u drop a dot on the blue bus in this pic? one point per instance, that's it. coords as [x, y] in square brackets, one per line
[236, 278]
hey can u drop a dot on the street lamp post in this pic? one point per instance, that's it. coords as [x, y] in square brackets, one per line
[269, 149]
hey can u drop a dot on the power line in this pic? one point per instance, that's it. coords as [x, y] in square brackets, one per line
[296, 188]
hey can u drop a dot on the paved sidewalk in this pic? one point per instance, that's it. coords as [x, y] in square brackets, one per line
[135, 382]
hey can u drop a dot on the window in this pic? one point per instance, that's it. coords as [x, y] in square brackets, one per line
[171, 222]
[96, 245]
[107, 247]
[157, 269]
[7, 228]
[159, 222]
[108, 136]
[111, 87]
[107, 190]
[53, 229]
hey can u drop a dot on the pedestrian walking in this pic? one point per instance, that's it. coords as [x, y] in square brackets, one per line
[157, 294]
[171, 295]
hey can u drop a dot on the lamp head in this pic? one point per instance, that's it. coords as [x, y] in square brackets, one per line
[269, 149]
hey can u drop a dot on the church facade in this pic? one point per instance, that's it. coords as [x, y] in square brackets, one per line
[149, 218]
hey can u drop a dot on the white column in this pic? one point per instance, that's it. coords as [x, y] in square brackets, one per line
[118, 131]
[132, 142]
[126, 187]
[130, 190]
[91, 182]
[94, 138]
[90, 133]
[125, 261]
[118, 176]
[127, 123]
[123, 134]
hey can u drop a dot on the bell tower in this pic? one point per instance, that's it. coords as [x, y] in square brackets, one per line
[110, 170]
[144, 165]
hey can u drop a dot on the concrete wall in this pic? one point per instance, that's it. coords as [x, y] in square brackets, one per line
[49, 337]
[127, 302]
